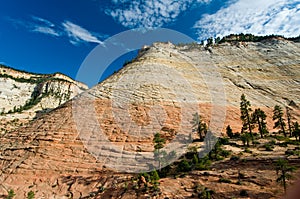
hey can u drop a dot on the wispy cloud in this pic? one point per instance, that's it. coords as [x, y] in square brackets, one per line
[74, 32]
[149, 13]
[43, 21]
[257, 17]
[37, 24]
[45, 30]
[78, 34]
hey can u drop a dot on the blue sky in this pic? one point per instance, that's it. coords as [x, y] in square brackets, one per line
[55, 36]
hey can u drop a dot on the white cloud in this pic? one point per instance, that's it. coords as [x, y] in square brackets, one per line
[149, 13]
[264, 17]
[38, 24]
[45, 30]
[43, 21]
[78, 34]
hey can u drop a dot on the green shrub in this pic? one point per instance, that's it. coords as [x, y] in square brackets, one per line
[184, 166]
[225, 153]
[203, 164]
[10, 194]
[268, 147]
[30, 195]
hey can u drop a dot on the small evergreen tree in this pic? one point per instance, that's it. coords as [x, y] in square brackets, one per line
[30, 195]
[245, 108]
[259, 118]
[229, 132]
[296, 130]
[11, 194]
[246, 137]
[184, 166]
[283, 171]
[216, 150]
[217, 40]
[154, 177]
[158, 144]
[289, 120]
[199, 126]
[210, 41]
[279, 120]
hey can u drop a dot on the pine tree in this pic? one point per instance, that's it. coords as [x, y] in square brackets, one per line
[246, 137]
[296, 130]
[229, 132]
[289, 120]
[210, 41]
[154, 176]
[217, 149]
[259, 118]
[283, 171]
[158, 144]
[245, 108]
[278, 118]
[199, 126]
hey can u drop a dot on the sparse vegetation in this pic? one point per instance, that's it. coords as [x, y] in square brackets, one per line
[283, 171]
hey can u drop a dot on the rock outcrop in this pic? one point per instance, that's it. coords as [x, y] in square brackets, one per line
[24, 96]
[87, 147]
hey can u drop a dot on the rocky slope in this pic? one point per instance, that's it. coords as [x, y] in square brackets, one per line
[86, 147]
[24, 96]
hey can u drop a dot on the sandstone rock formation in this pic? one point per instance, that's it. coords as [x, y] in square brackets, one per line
[24, 95]
[87, 147]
